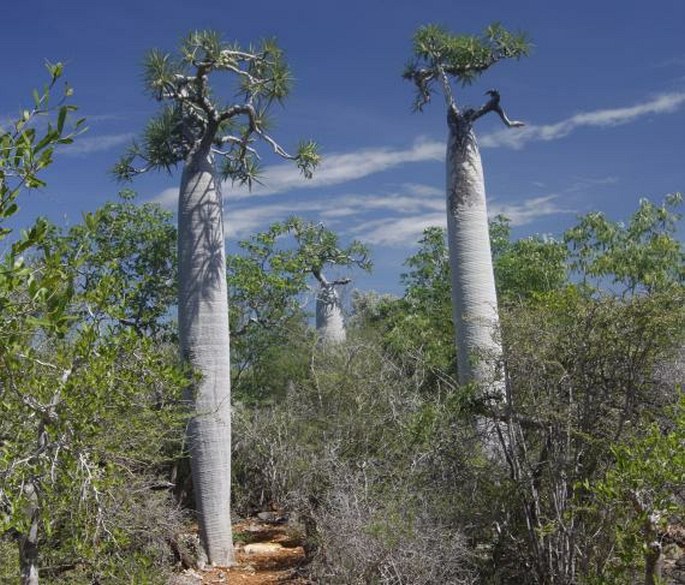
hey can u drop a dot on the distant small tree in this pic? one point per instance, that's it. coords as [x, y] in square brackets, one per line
[425, 323]
[318, 249]
[212, 138]
[269, 277]
[265, 279]
[268, 321]
[439, 58]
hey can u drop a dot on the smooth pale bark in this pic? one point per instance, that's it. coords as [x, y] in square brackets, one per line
[474, 299]
[330, 324]
[204, 340]
[28, 544]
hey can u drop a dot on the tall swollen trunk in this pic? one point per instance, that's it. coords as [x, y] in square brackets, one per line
[474, 300]
[330, 324]
[204, 340]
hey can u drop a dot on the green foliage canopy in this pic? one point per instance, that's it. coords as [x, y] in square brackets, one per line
[195, 115]
[122, 261]
[89, 414]
[643, 254]
[440, 55]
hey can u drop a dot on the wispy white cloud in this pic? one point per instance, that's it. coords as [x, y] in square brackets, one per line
[245, 216]
[397, 231]
[529, 210]
[676, 61]
[290, 179]
[110, 117]
[582, 185]
[405, 230]
[89, 144]
[244, 220]
[396, 218]
[340, 168]
[663, 104]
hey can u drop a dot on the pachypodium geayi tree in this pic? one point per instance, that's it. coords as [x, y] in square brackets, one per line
[318, 248]
[268, 278]
[442, 59]
[212, 140]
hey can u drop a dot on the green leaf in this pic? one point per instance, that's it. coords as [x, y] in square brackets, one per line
[10, 210]
[62, 116]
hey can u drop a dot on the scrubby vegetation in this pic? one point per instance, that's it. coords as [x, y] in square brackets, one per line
[369, 446]
[374, 446]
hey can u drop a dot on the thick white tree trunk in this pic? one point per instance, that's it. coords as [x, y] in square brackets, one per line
[204, 340]
[330, 324]
[474, 300]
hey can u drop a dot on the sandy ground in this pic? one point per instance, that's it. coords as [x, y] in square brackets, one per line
[266, 554]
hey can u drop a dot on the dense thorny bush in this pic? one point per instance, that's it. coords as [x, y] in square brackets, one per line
[136, 549]
[99, 459]
[363, 460]
[378, 466]
[586, 374]
[383, 534]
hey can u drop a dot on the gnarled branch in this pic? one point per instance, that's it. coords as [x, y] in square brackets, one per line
[492, 105]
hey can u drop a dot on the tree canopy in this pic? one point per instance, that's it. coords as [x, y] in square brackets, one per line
[440, 55]
[195, 113]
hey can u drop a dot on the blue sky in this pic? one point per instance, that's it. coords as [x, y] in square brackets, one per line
[602, 94]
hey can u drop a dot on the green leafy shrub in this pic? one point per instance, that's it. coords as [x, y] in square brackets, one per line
[90, 412]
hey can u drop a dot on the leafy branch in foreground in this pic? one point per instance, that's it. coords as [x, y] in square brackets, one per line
[26, 149]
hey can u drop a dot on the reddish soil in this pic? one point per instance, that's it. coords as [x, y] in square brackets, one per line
[266, 554]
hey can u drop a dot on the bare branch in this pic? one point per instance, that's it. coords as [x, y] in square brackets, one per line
[250, 112]
[240, 142]
[277, 148]
[421, 78]
[446, 87]
[238, 109]
[240, 72]
[242, 55]
[320, 277]
[492, 105]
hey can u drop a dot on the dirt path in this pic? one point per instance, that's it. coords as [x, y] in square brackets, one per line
[266, 554]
